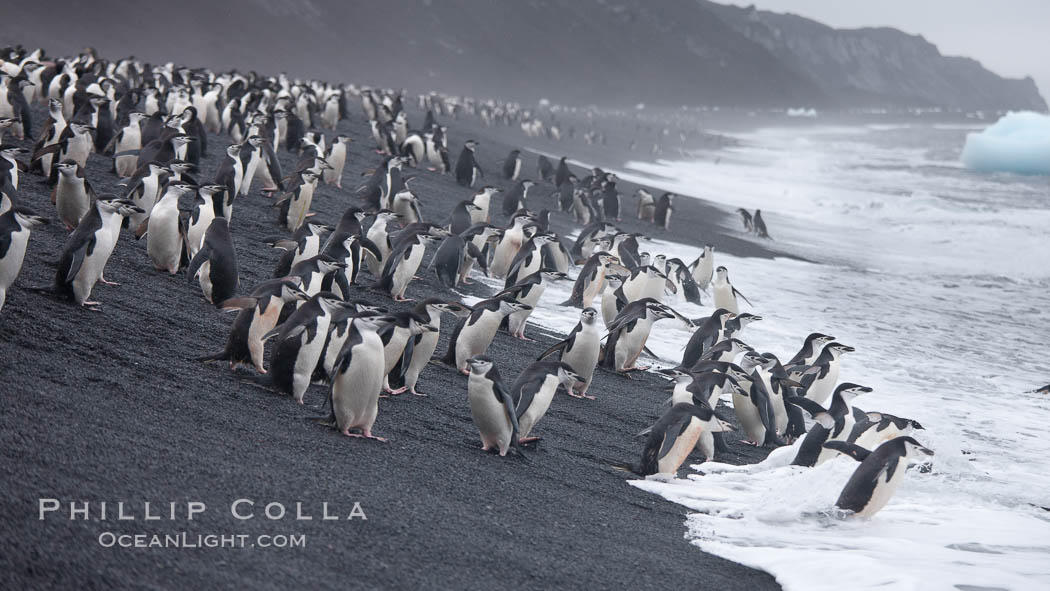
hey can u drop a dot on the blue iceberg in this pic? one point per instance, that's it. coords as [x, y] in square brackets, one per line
[1017, 142]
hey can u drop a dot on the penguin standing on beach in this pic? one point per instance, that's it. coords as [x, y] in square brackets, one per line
[673, 438]
[424, 344]
[358, 381]
[474, 334]
[165, 233]
[534, 390]
[760, 225]
[216, 264]
[512, 165]
[72, 194]
[580, 350]
[662, 213]
[491, 406]
[724, 293]
[15, 226]
[299, 343]
[467, 168]
[87, 250]
[401, 265]
[646, 205]
[629, 332]
[258, 315]
[745, 217]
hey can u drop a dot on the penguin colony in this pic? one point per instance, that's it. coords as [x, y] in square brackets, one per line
[317, 312]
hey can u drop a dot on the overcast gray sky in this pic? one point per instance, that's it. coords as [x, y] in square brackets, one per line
[1010, 37]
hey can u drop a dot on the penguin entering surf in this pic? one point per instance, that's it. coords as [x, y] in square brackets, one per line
[725, 295]
[880, 473]
[834, 424]
[672, 438]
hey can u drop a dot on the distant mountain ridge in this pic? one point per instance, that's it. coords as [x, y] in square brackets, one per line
[611, 53]
[878, 67]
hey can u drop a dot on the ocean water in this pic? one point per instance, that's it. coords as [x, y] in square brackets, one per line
[940, 277]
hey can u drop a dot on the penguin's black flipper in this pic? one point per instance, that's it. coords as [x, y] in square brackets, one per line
[807, 405]
[736, 292]
[553, 349]
[198, 259]
[850, 449]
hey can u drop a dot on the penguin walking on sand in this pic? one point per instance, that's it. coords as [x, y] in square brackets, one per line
[491, 406]
[336, 158]
[580, 351]
[455, 256]
[257, 315]
[421, 349]
[299, 343]
[72, 194]
[215, 264]
[662, 214]
[88, 248]
[545, 169]
[398, 338]
[165, 233]
[515, 199]
[207, 203]
[473, 334]
[834, 424]
[528, 291]
[518, 230]
[401, 265]
[483, 200]
[760, 225]
[629, 332]
[534, 390]
[745, 217]
[358, 380]
[467, 168]
[590, 281]
[724, 293]
[512, 165]
[673, 438]
[16, 224]
[880, 473]
[646, 205]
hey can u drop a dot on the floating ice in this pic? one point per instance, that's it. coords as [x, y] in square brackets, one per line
[1018, 142]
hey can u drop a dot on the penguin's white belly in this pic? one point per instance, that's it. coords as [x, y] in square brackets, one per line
[706, 444]
[681, 449]
[421, 355]
[822, 389]
[884, 490]
[163, 241]
[872, 437]
[750, 420]
[394, 349]
[540, 403]
[474, 339]
[195, 233]
[490, 417]
[204, 276]
[71, 201]
[299, 207]
[11, 264]
[406, 270]
[583, 357]
[827, 454]
[309, 354]
[92, 267]
[504, 254]
[260, 325]
[608, 308]
[592, 289]
[355, 392]
[724, 297]
[630, 344]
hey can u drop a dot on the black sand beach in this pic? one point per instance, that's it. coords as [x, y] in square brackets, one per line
[109, 406]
